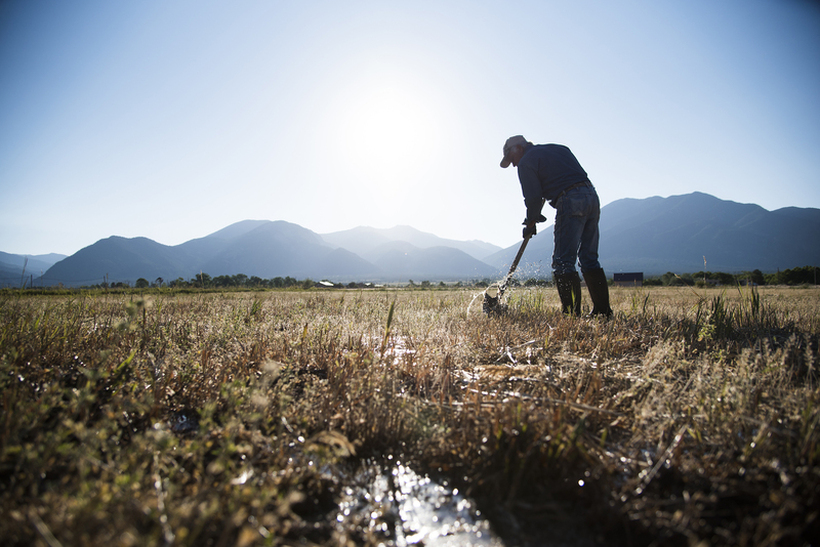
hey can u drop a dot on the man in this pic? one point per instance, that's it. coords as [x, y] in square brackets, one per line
[550, 172]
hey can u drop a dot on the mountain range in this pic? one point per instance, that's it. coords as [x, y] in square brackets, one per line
[682, 234]
[690, 233]
[14, 268]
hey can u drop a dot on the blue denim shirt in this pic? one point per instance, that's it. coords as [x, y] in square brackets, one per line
[545, 171]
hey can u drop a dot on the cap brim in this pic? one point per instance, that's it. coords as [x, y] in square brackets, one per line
[506, 162]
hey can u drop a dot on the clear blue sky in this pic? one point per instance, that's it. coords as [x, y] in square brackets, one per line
[173, 119]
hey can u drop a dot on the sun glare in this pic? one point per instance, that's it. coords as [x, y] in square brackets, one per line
[388, 127]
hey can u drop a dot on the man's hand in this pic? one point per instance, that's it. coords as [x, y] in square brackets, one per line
[529, 225]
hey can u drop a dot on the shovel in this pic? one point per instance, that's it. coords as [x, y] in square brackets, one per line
[492, 304]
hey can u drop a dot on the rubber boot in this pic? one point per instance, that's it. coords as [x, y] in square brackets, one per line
[598, 292]
[569, 291]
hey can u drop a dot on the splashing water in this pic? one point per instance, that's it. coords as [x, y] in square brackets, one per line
[495, 304]
[492, 298]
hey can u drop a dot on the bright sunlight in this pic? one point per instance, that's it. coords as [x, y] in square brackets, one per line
[388, 126]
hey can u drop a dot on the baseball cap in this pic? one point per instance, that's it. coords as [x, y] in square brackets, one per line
[508, 146]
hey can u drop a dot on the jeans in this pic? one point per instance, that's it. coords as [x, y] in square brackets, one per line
[576, 231]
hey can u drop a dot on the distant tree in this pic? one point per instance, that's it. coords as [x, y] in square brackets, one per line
[142, 283]
[719, 277]
[278, 282]
[202, 281]
[797, 276]
[671, 279]
[757, 278]
[240, 280]
[256, 281]
[727, 278]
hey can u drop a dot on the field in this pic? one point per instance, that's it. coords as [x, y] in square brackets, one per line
[271, 418]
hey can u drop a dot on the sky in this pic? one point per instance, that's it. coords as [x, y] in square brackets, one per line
[173, 119]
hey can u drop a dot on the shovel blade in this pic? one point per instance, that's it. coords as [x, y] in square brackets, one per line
[493, 305]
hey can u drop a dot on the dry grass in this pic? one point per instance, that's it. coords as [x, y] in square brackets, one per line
[237, 418]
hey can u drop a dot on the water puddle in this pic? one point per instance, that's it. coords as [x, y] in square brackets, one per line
[396, 505]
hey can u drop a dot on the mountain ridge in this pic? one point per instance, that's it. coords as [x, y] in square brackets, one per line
[656, 235]
[685, 234]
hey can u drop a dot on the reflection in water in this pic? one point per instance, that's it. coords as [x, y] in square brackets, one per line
[399, 505]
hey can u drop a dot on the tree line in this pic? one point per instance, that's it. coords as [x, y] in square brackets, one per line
[205, 281]
[805, 275]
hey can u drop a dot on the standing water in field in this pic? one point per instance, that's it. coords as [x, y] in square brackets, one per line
[397, 504]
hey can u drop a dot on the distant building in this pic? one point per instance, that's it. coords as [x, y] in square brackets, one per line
[634, 279]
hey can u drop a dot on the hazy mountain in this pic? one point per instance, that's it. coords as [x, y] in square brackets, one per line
[653, 235]
[16, 269]
[119, 259]
[30, 262]
[281, 249]
[238, 229]
[201, 249]
[657, 235]
[364, 239]
[676, 234]
[404, 261]
[264, 249]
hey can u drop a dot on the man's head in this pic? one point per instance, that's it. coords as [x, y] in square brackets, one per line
[514, 148]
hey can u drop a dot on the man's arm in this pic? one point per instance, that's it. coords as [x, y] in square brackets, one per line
[531, 188]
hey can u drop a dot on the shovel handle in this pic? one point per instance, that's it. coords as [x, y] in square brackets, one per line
[518, 256]
[512, 267]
